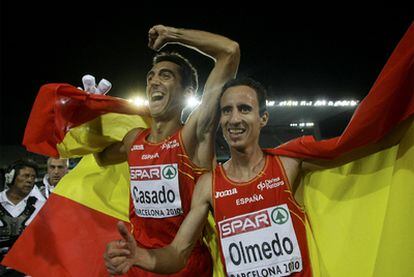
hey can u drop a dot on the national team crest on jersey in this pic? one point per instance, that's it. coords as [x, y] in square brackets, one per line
[155, 190]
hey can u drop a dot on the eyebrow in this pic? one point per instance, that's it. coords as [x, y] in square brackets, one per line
[162, 70]
[27, 174]
[167, 70]
[224, 107]
[244, 105]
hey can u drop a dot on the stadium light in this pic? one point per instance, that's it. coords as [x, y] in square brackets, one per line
[138, 101]
[317, 103]
[302, 124]
[192, 102]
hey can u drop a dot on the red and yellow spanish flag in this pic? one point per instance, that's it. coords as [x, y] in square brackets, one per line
[68, 122]
[359, 206]
[69, 235]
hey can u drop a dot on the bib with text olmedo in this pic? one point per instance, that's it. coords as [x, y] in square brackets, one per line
[262, 243]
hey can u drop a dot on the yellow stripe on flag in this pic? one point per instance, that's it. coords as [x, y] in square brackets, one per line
[210, 238]
[104, 189]
[95, 135]
[360, 214]
[396, 249]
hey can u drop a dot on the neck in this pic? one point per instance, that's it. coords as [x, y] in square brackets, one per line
[14, 196]
[162, 129]
[50, 183]
[245, 165]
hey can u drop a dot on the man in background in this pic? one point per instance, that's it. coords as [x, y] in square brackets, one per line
[19, 204]
[56, 169]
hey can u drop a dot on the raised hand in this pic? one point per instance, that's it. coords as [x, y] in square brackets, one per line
[159, 36]
[89, 85]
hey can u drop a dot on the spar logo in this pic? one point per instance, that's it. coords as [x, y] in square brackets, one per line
[280, 215]
[145, 173]
[169, 172]
[244, 224]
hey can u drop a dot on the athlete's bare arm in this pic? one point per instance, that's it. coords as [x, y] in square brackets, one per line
[292, 167]
[199, 130]
[118, 151]
[121, 255]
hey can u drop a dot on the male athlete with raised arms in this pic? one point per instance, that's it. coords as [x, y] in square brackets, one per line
[166, 159]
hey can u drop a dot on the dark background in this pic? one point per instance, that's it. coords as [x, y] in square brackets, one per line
[297, 51]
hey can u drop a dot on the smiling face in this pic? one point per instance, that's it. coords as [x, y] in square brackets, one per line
[24, 181]
[240, 120]
[165, 92]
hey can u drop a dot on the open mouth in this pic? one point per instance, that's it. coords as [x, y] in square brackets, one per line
[157, 96]
[236, 131]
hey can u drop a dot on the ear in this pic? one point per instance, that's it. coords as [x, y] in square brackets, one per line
[263, 119]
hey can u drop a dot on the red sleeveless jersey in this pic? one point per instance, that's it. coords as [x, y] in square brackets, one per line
[261, 227]
[162, 182]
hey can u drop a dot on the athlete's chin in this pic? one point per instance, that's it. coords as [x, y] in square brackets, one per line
[237, 144]
[157, 112]
[161, 116]
[157, 108]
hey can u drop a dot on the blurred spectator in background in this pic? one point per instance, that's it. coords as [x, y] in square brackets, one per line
[56, 169]
[19, 203]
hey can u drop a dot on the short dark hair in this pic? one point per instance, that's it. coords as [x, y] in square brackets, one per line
[19, 165]
[255, 85]
[188, 73]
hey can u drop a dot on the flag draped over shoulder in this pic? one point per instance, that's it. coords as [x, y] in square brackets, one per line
[360, 206]
[360, 214]
[69, 235]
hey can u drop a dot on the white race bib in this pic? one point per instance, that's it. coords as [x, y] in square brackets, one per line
[155, 190]
[261, 243]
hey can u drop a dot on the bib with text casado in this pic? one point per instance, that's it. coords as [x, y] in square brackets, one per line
[162, 183]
